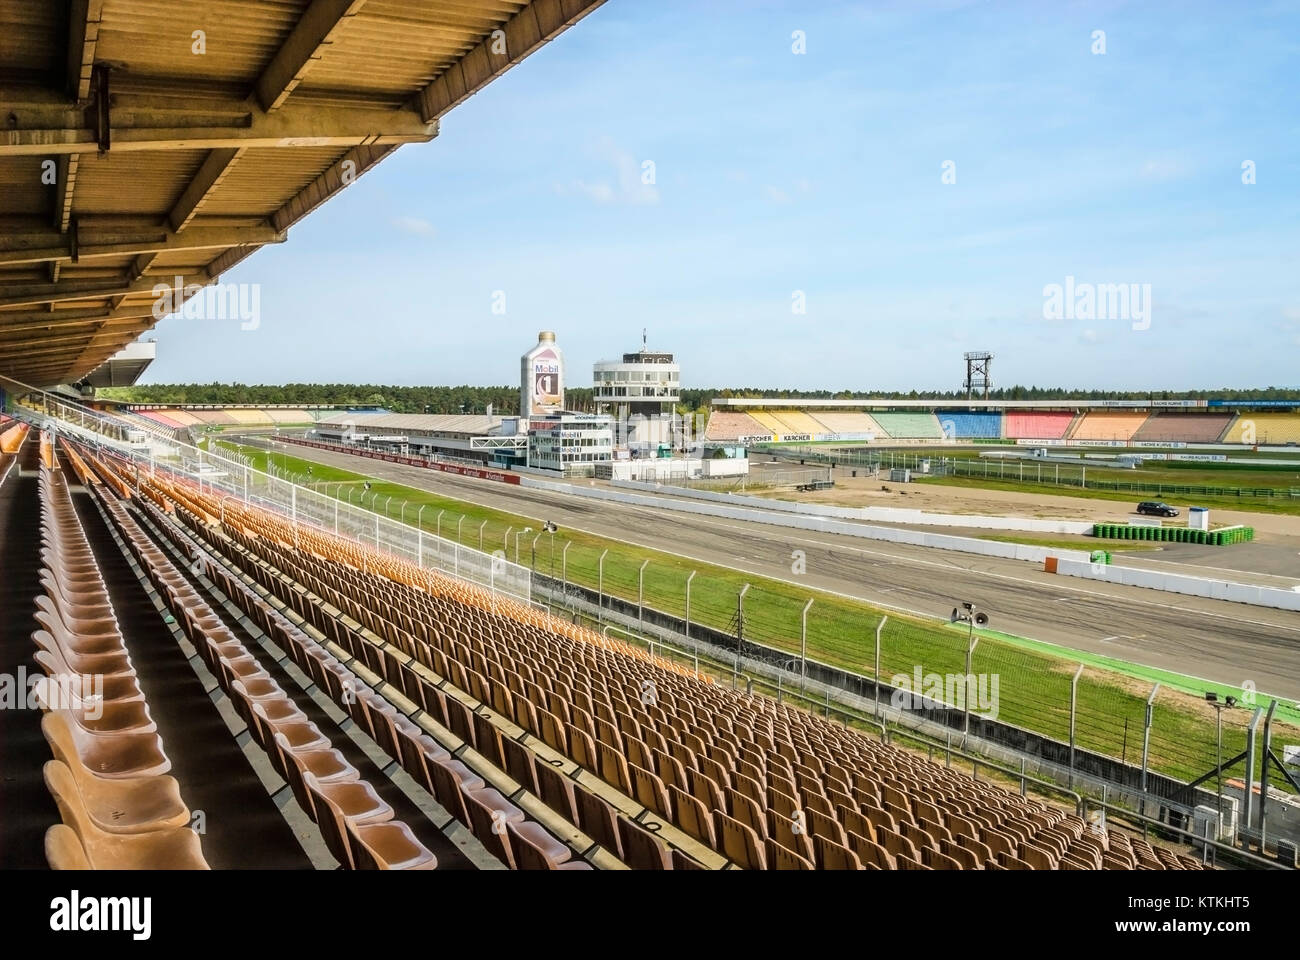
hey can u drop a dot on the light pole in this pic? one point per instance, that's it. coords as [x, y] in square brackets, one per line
[971, 615]
[550, 527]
[740, 632]
[1227, 703]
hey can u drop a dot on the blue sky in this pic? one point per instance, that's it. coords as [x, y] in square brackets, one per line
[821, 172]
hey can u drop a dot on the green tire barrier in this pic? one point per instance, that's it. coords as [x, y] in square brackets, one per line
[1216, 538]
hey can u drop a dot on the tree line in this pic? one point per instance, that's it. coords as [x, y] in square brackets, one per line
[505, 399]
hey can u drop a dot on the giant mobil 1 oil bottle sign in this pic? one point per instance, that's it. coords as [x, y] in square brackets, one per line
[542, 381]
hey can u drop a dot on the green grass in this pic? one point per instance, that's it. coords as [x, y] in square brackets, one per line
[1034, 677]
[1065, 543]
[1287, 506]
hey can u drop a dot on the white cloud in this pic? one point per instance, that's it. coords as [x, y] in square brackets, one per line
[775, 194]
[627, 185]
[416, 225]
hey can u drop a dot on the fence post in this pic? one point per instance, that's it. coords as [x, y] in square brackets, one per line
[740, 632]
[564, 569]
[876, 683]
[1263, 778]
[1074, 712]
[803, 649]
[640, 597]
[600, 588]
[970, 650]
[480, 535]
[688, 619]
[1146, 745]
[1243, 828]
[438, 531]
[419, 548]
[506, 544]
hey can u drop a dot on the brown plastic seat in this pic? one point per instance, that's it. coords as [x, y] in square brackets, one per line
[834, 856]
[535, 849]
[95, 714]
[556, 791]
[490, 814]
[690, 815]
[114, 688]
[111, 756]
[870, 853]
[387, 846]
[967, 859]
[682, 862]
[739, 843]
[327, 766]
[348, 801]
[63, 850]
[642, 850]
[84, 663]
[451, 777]
[93, 627]
[136, 805]
[170, 848]
[783, 858]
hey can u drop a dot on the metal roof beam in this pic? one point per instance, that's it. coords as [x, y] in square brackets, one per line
[302, 49]
[214, 170]
[46, 125]
[83, 37]
[126, 241]
[534, 25]
[34, 294]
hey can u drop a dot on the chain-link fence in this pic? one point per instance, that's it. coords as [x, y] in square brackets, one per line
[1089, 721]
[1026, 470]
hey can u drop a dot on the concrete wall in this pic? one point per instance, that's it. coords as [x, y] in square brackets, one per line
[880, 514]
[1179, 583]
[989, 548]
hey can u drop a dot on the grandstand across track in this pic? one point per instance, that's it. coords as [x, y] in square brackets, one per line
[1197, 636]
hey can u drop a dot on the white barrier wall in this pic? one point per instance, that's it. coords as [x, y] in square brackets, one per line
[879, 514]
[989, 548]
[1179, 583]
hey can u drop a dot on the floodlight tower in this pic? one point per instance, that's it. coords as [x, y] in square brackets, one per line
[979, 364]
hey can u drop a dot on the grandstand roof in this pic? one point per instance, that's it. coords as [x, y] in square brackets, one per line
[128, 160]
[418, 422]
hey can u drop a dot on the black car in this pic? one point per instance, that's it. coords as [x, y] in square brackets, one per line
[1157, 508]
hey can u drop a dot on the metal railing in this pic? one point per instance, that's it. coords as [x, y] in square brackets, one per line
[233, 475]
